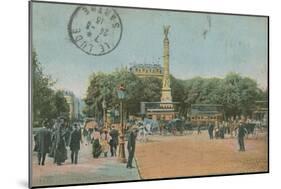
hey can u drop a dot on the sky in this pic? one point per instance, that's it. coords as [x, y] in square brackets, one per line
[201, 44]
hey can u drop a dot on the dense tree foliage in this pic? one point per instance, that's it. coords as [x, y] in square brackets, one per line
[237, 94]
[47, 104]
[103, 87]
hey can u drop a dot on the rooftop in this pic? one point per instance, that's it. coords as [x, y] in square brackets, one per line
[146, 66]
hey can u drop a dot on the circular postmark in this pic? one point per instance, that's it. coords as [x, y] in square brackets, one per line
[95, 30]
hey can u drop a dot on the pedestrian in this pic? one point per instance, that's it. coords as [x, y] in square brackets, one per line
[227, 126]
[85, 136]
[96, 147]
[89, 135]
[222, 130]
[211, 130]
[53, 138]
[74, 144]
[68, 131]
[241, 134]
[42, 143]
[104, 140]
[60, 154]
[199, 129]
[174, 129]
[131, 146]
[114, 140]
[161, 126]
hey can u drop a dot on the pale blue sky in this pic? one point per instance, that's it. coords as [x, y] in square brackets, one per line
[205, 45]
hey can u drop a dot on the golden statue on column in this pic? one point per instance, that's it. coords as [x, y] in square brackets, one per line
[166, 96]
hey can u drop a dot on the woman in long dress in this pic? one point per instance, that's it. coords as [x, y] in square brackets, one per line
[60, 147]
[105, 139]
[96, 147]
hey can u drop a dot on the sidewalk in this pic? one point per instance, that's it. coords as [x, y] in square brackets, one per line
[88, 170]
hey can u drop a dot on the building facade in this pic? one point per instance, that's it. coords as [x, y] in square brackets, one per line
[74, 105]
[147, 70]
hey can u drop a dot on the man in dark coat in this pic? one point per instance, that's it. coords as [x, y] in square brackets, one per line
[43, 144]
[199, 129]
[74, 144]
[241, 134]
[114, 141]
[222, 131]
[211, 130]
[131, 146]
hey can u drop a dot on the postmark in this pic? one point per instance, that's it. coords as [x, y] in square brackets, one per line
[95, 30]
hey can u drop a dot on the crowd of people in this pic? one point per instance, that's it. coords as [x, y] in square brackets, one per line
[103, 140]
[54, 140]
[217, 129]
[238, 127]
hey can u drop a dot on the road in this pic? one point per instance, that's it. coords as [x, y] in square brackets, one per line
[160, 157]
[195, 155]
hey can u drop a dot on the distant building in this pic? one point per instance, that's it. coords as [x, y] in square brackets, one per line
[74, 105]
[147, 70]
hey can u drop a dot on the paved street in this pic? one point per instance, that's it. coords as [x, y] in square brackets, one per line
[160, 157]
[193, 155]
[88, 170]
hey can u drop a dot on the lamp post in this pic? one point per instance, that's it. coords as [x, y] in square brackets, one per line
[104, 113]
[121, 97]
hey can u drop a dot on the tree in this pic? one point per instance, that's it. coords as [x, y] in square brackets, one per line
[46, 103]
[237, 94]
[104, 87]
[42, 105]
[178, 94]
[95, 96]
[150, 89]
[61, 106]
[249, 95]
[192, 91]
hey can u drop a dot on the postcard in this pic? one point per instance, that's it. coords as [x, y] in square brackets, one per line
[121, 94]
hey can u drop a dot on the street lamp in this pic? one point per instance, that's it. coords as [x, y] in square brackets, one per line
[104, 113]
[121, 96]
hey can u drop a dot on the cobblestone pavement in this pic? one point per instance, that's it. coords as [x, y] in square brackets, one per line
[88, 170]
[195, 155]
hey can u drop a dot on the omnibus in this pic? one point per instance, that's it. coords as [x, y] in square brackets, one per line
[202, 114]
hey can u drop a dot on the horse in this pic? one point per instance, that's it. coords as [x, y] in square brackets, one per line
[142, 134]
[152, 126]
